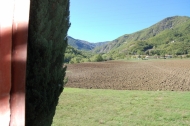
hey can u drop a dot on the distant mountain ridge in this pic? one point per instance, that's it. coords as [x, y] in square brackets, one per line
[152, 36]
[169, 37]
[83, 45]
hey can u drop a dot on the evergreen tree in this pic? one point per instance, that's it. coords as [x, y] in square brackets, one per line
[48, 26]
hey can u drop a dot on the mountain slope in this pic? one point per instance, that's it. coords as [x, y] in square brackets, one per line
[157, 37]
[83, 45]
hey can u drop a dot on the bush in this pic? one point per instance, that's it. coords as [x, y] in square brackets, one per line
[97, 58]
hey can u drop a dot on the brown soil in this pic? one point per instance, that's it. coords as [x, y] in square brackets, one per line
[163, 74]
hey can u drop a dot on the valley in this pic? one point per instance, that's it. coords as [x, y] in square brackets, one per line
[169, 37]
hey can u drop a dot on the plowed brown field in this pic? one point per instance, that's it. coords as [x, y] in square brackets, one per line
[173, 75]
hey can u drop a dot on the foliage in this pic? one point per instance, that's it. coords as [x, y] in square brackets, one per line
[97, 58]
[73, 55]
[49, 23]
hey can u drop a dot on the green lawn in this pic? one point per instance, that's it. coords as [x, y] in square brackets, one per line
[98, 107]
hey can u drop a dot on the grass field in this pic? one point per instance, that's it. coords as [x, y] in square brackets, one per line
[100, 107]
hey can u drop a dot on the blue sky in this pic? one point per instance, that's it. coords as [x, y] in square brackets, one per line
[106, 20]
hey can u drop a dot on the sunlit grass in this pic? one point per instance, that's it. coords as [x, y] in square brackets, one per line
[94, 107]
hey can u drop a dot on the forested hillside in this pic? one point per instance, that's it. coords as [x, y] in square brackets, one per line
[83, 45]
[73, 55]
[170, 36]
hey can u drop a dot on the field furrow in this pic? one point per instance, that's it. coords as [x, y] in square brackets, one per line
[170, 75]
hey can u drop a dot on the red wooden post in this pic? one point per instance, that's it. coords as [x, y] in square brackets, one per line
[19, 53]
[14, 16]
[6, 16]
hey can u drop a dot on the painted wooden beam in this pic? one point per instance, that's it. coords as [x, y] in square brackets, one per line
[14, 17]
[19, 57]
[6, 17]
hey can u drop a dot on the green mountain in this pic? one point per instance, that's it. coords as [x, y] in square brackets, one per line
[170, 36]
[83, 45]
